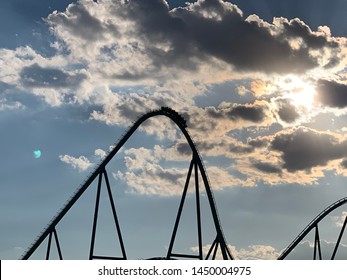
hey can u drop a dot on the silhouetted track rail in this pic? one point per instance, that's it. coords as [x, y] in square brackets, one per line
[99, 170]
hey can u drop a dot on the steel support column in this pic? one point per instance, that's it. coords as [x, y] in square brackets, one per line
[339, 238]
[317, 245]
[180, 208]
[95, 221]
[115, 216]
[198, 213]
[54, 232]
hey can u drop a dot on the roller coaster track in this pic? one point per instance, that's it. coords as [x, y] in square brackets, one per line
[100, 172]
[314, 224]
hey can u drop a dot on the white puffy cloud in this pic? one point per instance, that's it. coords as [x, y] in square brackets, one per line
[252, 252]
[10, 105]
[145, 173]
[81, 163]
[100, 153]
[341, 219]
[303, 251]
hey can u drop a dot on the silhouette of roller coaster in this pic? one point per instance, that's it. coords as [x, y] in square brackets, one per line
[219, 245]
[317, 250]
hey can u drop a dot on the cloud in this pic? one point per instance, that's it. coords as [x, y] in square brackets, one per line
[216, 27]
[100, 153]
[145, 39]
[213, 123]
[81, 163]
[125, 58]
[123, 108]
[267, 167]
[221, 179]
[264, 166]
[101, 46]
[287, 112]
[304, 148]
[82, 22]
[212, 147]
[255, 112]
[146, 175]
[252, 252]
[341, 219]
[10, 105]
[261, 88]
[304, 251]
[332, 93]
[298, 155]
[12, 62]
[37, 76]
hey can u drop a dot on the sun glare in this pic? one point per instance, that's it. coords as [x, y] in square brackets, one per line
[299, 92]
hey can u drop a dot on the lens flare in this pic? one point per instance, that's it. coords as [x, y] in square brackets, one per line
[37, 153]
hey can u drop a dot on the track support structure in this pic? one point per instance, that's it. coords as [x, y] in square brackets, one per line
[100, 174]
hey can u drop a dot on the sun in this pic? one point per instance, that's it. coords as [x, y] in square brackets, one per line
[300, 93]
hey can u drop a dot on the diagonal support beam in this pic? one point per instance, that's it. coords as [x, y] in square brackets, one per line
[95, 221]
[226, 254]
[317, 245]
[96, 212]
[180, 208]
[339, 239]
[115, 215]
[53, 233]
[198, 213]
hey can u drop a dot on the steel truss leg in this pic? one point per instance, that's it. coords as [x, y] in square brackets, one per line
[96, 212]
[198, 213]
[115, 215]
[214, 244]
[317, 245]
[339, 239]
[169, 252]
[92, 242]
[215, 251]
[53, 232]
[226, 254]
[219, 241]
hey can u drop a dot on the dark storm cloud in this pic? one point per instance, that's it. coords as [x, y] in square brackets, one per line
[215, 148]
[217, 29]
[183, 148]
[228, 147]
[298, 29]
[332, 94]
[130, 76]
[257, 143]
[156, 24]
[344, 163]
[79, 22]
[304, 148]
[287, 112]
[248, 112]
[267, 167]
[190, 36]
[37, 76]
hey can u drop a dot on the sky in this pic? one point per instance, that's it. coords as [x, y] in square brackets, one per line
[263, 88]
